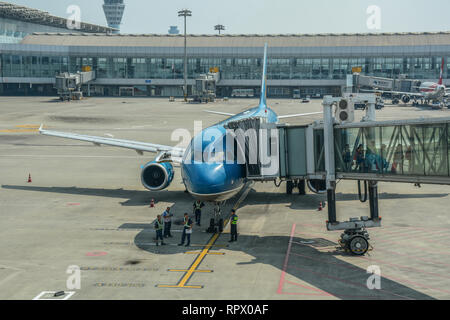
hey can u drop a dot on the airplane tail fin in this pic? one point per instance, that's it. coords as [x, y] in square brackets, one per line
[262, 100]
[441, 77]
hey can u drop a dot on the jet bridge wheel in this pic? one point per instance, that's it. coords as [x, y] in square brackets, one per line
[358, 245]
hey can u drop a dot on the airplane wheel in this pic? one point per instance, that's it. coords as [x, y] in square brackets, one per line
[220, 225]
[211, 226]
[302, 187]
[358, 246]
[289, 187]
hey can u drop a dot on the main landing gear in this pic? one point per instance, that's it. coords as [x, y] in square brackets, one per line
[292, 184]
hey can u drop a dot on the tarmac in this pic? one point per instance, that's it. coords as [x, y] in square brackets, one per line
[86, 210]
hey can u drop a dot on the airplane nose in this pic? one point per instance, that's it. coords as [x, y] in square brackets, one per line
[210, 174]
[205, 178]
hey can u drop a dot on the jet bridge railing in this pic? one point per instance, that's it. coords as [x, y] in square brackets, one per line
[399, 151]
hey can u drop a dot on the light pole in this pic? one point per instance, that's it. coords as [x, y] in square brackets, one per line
[185, 13]
[219, 28]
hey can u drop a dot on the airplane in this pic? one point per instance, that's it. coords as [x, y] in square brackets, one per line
[428, 91]
[210, 181]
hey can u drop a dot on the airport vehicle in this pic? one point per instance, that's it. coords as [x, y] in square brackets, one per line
[362, 106]
[209, 178]
[243, 93]
[306, 100]
[428, 92]
[296, 94]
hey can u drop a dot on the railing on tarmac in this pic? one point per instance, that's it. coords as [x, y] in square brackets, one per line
[403, 151]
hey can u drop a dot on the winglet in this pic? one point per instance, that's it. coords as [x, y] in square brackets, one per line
[262, 100]
[41, 128]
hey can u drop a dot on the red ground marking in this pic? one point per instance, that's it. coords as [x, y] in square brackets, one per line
[421, 236]
[286, 260]
[96, 254]
[413, 257]
[393, 241]
[406, 267]
[348, 282]
[389, 277]
[319, 292]
[283, 273]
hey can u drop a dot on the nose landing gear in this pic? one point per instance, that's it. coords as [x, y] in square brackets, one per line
[216, 223]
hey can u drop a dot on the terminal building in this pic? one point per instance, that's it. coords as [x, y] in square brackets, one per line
[16, 22]
[152, 65]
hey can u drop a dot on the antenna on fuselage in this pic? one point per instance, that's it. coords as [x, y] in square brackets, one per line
[262, 100]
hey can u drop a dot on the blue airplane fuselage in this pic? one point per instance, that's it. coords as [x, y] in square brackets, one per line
[217, 181]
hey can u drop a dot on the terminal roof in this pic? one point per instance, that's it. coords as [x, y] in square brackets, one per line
[26, 14]
[241, 40]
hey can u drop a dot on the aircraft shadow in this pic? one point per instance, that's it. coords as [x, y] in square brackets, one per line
[133, 197]
[143, 198]
[322, 273]
[310, 201]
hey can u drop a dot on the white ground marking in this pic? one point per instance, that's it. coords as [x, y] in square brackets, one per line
[38, 297]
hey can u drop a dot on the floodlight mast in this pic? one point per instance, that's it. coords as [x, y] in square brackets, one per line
[185, 13]
[219, 28]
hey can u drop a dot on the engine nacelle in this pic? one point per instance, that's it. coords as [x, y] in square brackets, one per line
[157, 176]
[317, 186]
[406, 99]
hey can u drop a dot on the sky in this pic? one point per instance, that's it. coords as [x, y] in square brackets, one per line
[264, 16]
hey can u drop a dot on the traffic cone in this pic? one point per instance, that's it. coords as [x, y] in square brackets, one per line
[152, 203]
[320, 206]
[29, 178]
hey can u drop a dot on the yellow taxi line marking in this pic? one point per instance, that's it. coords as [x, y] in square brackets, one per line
[204, 271]
[216, 253]
[198, 260]
[193, 268]
[28, 126]
[18, 130]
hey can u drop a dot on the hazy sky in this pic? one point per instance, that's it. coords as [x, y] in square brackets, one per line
[263, 16]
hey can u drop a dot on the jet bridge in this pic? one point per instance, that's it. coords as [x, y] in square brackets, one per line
[68, 85]
[410, 151]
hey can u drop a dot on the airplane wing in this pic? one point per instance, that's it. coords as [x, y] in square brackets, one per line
[139, 147]
[298, 115]
[221, 113]
[413, 94]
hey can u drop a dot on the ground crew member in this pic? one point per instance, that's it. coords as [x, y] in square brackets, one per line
[167, 216]
[198, 205]
[159, 225]
[233, 223]
[187, 230]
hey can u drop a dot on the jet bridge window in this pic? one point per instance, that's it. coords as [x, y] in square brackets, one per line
[414, 150]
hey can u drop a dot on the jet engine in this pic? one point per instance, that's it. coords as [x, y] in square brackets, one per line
[317, 186]
[157, 176]
[406, 99]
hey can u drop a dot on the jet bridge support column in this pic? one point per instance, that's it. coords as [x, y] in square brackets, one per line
[329, 157]
[355, 238]
[373, 200]
[373, 185]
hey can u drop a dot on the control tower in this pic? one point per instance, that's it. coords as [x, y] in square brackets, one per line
[114, 12]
